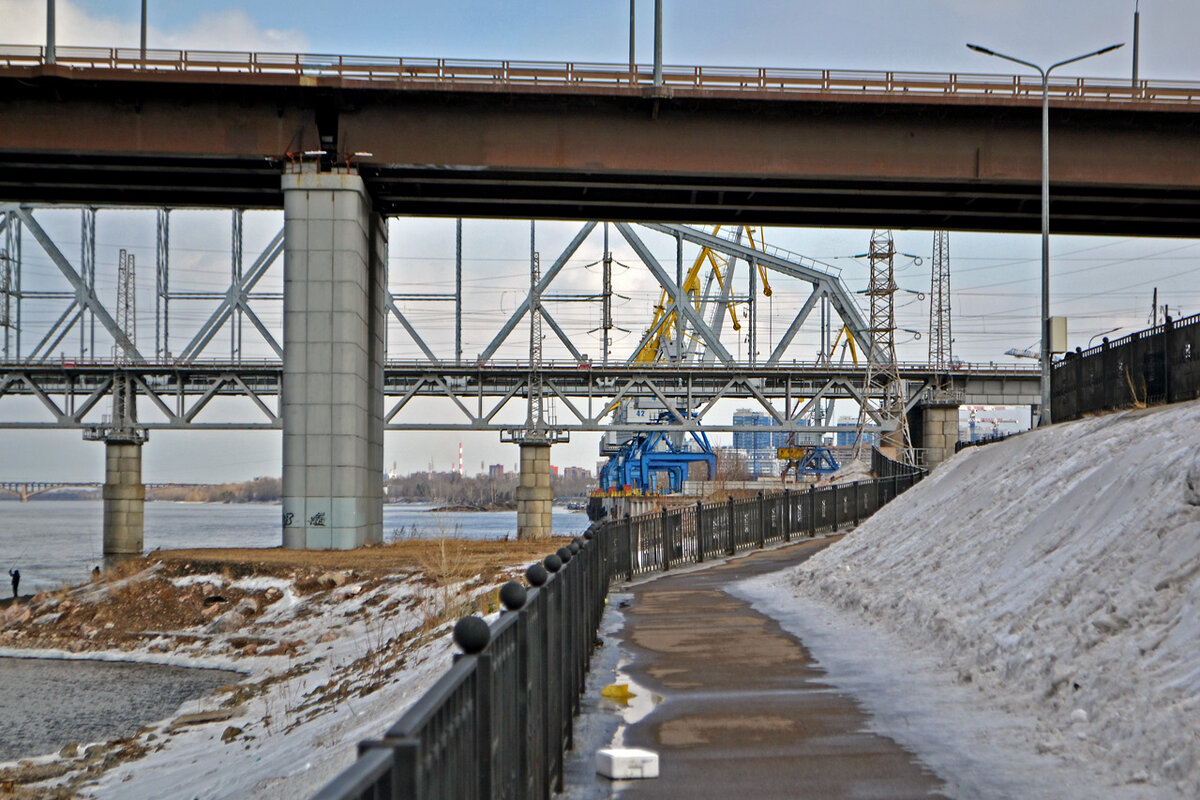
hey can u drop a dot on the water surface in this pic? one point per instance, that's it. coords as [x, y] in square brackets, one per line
[46, 703]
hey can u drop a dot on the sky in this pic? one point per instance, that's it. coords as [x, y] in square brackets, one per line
[1099, 283]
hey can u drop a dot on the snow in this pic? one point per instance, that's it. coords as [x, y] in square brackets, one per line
[1026, 618]
[360, 659]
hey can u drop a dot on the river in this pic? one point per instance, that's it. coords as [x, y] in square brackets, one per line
[44, 704]
[47, 703]
[56, 542]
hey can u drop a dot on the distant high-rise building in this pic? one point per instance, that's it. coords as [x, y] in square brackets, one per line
[496, 471]
[846, 438]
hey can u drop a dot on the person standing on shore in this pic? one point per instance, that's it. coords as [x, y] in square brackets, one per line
[15, 574]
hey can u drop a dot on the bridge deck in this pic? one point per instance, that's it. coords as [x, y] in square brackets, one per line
[438, 137]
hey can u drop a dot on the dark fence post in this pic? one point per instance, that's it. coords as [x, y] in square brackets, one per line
[730, 548]
[483, 714]
[666, 540]
[786, 516]
[762, 521]
[857, 513]
[699, 532]
[1168, 355]
[833, 492]
[629, 541]
[812, 510]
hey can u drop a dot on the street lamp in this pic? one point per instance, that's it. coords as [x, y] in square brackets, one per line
[1045, 73]
[1101, 333]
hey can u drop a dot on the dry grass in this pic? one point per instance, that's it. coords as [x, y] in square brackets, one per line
[470, 556]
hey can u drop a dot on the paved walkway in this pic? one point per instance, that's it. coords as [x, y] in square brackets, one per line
[745, 711]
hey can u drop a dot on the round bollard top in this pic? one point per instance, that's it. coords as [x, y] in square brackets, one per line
[537, 575]
[565, 554]
[573, 547]
[472, 634]
[588, 534]
[579, 540]
[512, 595]
[553, 562]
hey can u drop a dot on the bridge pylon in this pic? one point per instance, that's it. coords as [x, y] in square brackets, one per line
[334, 330]
[123, 492]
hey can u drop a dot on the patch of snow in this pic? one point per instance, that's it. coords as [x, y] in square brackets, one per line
[1049, 583]
[260, 583]
[351, 670]
[192, 580]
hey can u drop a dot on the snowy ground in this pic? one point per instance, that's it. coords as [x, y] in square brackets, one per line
[1025, 619]
[352, 655]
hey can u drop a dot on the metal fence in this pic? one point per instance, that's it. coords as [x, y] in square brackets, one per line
[498, 723]
[437, 73]
[1157, 365]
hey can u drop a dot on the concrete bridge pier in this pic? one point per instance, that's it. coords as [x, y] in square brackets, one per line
[939, 426]
[124, 500]
[535, 497]
[334, 305]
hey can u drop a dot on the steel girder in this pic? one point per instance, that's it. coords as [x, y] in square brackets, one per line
[179, 397]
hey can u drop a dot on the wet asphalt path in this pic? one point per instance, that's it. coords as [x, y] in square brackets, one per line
[745, 710]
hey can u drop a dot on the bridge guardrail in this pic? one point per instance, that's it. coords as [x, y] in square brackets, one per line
[498, 722]
[389, 71]
[1156, 365]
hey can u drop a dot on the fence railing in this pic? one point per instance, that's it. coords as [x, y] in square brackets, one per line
[498, 723]
[1157, 365]
[385, 71]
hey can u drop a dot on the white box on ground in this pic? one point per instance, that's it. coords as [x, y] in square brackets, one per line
[623, 763]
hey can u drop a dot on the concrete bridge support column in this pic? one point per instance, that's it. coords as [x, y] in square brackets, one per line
[124, 501]
[940, 428]
[334, 301]
[535, 497]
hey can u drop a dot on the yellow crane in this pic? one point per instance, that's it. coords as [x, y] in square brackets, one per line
[664, 327]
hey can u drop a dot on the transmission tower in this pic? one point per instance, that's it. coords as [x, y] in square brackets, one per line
[539, 423]
[940, 355]
[126, 308]
[883, 375]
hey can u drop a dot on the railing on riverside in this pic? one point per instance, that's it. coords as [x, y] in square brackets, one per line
[1157, 365]
[498, 723]
[991, 438]
[389, 71]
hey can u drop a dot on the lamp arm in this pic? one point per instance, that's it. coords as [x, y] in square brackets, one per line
[1108, 49]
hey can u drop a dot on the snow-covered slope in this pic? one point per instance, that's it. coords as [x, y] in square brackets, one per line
[1056, 575]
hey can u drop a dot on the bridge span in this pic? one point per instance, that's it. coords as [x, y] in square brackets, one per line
[445, 137]
[178, 396]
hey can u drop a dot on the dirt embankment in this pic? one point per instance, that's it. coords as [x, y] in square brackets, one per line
[273, 613]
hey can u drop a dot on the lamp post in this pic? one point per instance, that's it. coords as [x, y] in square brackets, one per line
[1045, 73]
[1101, 333]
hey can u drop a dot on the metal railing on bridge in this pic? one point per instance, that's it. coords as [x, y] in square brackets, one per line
[498, 723]
[385, 71]
[1156, 365]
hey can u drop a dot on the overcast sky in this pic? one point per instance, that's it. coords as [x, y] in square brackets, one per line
[1099, 283]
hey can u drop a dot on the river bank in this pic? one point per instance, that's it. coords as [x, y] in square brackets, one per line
[332, 646]
[56, 542]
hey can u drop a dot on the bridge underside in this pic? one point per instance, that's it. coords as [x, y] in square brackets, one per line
[964, 164]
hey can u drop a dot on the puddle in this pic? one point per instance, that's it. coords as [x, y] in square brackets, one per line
[629, 699]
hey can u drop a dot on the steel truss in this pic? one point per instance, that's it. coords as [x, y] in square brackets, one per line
[185, 390]
[183, 397]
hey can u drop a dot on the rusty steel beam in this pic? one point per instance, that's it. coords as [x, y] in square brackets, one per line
[963, 163]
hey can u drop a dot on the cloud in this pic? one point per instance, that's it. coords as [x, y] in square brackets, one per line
[232, 29]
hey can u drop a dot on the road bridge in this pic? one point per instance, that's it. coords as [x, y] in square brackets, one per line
[447, 137]
[24, 490]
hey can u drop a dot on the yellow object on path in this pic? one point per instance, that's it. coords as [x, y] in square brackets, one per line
[618, 692]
